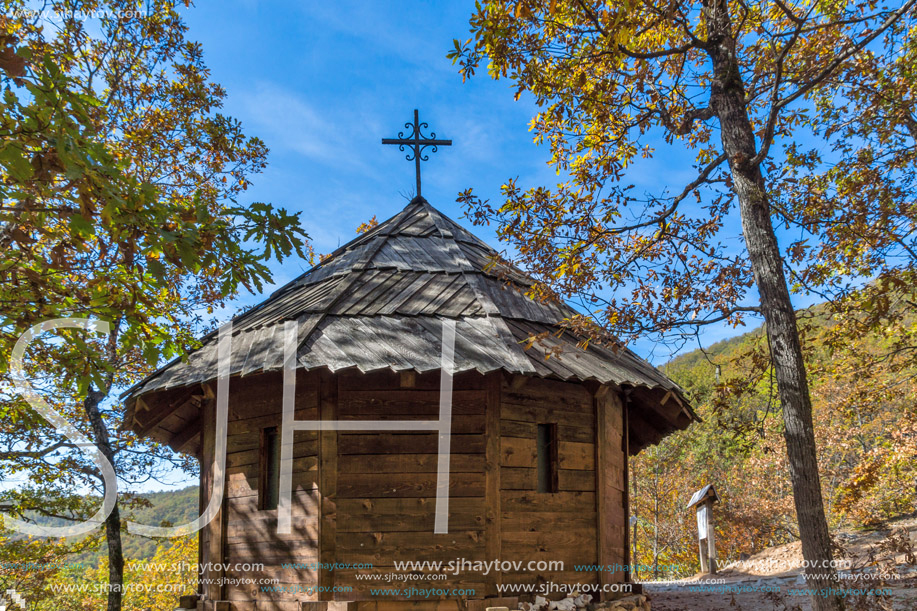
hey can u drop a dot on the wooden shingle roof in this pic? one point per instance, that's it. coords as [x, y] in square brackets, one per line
[378, 301]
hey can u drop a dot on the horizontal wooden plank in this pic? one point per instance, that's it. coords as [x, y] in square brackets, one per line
[570, 396]
[568, 576]
[301, 465]
[262, 526]
[388, 555]
[372, 485]
[569, 480]
[304, 502]
[244, 484]
[527, 430]
[462, 424]
[393, 542]
[544, 414]
[417, 506]
[272, 552]
[236, 426]
[386, 380]
[417, 402]
[518, 452]
[301, 449]
[378, 575]
[518, 478]
[407, 522]
[543, 521]
[305, 576]
[399, 443]
[408, 463]
[574, 455]
[563, 536]
[251, 440]
[424, 605]
[361, 589]
[243, 442]
[245, 604]
[519, 500]
[571, 555]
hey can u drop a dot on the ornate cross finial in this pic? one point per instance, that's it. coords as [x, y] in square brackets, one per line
[417, 143]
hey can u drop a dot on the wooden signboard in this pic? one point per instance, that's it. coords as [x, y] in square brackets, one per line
[703, 500]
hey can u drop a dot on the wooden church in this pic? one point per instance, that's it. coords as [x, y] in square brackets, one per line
[539, 446]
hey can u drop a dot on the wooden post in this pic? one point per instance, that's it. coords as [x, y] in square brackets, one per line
[711, 538]
[493, 524]
[327, 473]
[212, 538]
[611, 489]
[630, 550]
[703, 501]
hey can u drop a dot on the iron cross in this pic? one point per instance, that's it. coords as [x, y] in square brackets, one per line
[417, 143]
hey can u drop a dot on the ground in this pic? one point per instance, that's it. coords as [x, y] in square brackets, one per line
[772, 578]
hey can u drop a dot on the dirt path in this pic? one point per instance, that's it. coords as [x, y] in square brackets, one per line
[772, 579]
[902, 597]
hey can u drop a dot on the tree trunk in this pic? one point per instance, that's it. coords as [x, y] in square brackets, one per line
[728, 103]
[656, 516]
[113, 521]
[635, 557]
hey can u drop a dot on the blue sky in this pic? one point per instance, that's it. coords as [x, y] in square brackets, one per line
[322, 83]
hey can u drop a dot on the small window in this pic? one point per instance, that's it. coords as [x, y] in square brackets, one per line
[547, 457]
[269, 482]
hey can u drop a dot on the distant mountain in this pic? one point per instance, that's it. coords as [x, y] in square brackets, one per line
[863, 386]
[166, 508]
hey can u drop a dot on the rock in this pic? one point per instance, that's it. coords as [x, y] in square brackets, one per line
[636, 602]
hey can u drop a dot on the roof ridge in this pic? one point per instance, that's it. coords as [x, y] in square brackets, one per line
[439, 219]
[348, 281]
[364, 237]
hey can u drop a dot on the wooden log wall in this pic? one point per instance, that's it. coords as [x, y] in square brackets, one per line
[250, 533]
[369, 497]
[550, 526]
[611, 458]
[386, 482]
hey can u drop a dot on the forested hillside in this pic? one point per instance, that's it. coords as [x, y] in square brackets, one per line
[171, 507]
[864, 407]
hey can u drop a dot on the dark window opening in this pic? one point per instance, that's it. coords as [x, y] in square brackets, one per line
[547, 457]
[269, 482]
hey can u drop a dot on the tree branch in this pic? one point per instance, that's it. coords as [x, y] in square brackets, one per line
[842, 57]
[10, 455]
[636, 54]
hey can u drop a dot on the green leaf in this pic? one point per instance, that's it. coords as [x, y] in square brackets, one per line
[14, 159]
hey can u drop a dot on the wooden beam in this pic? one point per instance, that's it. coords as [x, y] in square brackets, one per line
[157, 415]
[519, 382]
[408, 379]
[629, 556]
[671, 416]
[182, 439]
[493, 527]
[514, 381]
[603, 448]
[210, 539]
[642, 433]
[328, 478]
[201, 504]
